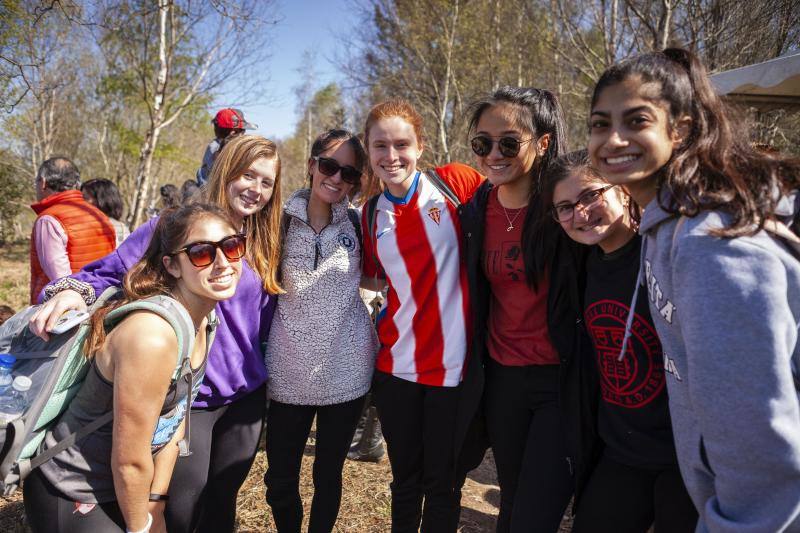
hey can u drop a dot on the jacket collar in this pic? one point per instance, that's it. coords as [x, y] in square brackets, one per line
[70, 195]
[297, 206]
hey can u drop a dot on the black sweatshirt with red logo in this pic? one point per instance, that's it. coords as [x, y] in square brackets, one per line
[633, 415]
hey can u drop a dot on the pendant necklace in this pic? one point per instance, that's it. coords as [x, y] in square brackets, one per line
[513, 219]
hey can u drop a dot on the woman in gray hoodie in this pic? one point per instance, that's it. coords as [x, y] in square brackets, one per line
[723, 277]
[321, 349]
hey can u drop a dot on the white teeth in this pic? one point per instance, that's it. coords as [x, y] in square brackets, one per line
[331, 187]
[392, 169]
[221, 279]
[498, 167]
[621, 159]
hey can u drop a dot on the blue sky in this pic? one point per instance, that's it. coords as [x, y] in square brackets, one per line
[313, 25]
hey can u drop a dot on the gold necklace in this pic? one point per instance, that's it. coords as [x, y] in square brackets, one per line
[510, 220]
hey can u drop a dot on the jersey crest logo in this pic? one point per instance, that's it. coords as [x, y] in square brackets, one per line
[436, 214]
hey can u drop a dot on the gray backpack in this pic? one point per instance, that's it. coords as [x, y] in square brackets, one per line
[57, 369]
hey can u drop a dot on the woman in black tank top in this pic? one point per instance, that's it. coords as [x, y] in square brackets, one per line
[116, 478]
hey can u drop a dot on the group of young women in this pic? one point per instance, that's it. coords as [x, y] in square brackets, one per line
[515, 317]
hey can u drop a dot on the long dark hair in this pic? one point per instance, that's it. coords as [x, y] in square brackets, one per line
[715, 167]
[105, 195]
[334, 137]
[149, 276]
[538, 112]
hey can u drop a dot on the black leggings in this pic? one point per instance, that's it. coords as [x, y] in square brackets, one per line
[288, 427]
[625, 499]
[418, 423]
[205, 484]
[49, 511]
[524, 425]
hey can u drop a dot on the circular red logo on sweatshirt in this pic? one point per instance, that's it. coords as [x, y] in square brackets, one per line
[638, 378]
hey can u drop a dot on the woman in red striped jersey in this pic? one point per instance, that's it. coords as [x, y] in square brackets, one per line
[524, 292]
[413, 241]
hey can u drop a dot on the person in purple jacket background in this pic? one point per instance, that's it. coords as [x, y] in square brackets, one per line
[228, 414]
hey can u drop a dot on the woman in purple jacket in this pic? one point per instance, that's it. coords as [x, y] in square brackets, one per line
[228, 413]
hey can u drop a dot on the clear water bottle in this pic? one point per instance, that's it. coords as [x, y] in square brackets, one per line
[15, 400]
[6, 364]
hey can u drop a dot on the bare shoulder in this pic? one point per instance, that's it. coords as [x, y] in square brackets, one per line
[143, 335]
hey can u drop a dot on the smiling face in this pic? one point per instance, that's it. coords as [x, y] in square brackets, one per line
[393, 153]
[496, 122]
[331, 189]
[216, 281]
[631, 138]
[605, 223]
[250, 192]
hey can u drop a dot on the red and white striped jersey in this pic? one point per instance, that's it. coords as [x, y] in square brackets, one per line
[423, 325]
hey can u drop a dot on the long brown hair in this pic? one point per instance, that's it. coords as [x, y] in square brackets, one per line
[263, 229]
[715, 167]
[149, 276]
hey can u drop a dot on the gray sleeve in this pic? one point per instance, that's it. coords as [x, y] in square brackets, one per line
[739, 334]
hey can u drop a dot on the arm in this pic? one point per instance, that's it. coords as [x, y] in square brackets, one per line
[51, 247]
[137, 405]
[93, 279]
[739, 334]
[372, 275]
[163, 465]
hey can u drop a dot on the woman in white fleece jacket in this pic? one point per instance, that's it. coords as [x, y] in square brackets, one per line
[321, 349]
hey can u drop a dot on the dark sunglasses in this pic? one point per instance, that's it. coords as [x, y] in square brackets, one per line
[509, 146]
[564, 212]
[329, 167]
[203, 253]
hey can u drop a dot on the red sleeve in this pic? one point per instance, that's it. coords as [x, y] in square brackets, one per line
[370, 266]
[463, 179]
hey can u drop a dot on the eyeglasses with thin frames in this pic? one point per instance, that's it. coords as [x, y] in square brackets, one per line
[564, 212]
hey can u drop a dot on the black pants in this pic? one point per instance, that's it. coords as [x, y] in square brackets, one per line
[625, 499]
[288, 428]
[418, 423]
[49, 511]
[524, 425]
[205, 484]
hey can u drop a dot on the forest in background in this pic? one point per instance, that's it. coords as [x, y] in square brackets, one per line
[123, 86]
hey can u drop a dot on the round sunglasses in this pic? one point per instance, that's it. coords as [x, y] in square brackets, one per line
[508, 146]
[329, 167]
[203, 253]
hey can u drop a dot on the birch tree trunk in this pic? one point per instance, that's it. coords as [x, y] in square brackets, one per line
[147, 150]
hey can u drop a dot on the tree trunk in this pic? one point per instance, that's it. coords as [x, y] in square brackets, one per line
[148, 148]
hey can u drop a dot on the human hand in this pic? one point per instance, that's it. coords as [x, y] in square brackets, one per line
[48, 314]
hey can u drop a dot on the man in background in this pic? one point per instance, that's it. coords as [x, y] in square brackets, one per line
[68, 232]
[228, 123]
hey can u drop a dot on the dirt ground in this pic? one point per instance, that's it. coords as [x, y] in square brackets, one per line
[365, 501]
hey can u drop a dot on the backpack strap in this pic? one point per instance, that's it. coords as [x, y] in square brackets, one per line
[355, 218]
[177, 317]
[442, 186]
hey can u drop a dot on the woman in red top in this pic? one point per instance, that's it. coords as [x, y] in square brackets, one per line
[515, 134]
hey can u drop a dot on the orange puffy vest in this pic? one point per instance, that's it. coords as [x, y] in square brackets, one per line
[90, 235]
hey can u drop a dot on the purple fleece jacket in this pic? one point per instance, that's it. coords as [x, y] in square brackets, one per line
[236, 359]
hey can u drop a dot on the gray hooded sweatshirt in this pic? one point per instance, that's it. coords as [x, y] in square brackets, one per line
[727, 312]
